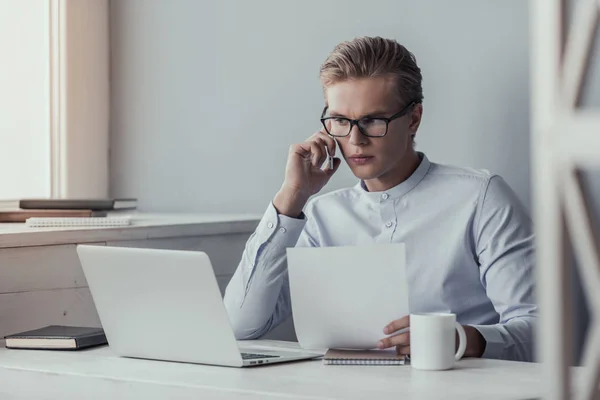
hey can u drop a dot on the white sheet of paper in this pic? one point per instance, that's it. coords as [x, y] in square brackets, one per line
[343, 297]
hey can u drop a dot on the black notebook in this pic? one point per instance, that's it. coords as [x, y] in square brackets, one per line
[57, 337]
[78, 204]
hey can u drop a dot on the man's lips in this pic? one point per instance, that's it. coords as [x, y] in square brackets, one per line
[360, 158]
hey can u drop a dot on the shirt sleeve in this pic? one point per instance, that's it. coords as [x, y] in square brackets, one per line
[257, 297]
[505, 248]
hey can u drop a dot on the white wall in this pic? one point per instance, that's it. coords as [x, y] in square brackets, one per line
[24, 99]
[208, 95]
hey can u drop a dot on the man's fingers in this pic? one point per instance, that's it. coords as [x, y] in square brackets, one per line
[302, 149]
[403, 350]
[396, 325]
[318, 153]
[325, 149]
[402, 339]
[315, 150]
[329, 141]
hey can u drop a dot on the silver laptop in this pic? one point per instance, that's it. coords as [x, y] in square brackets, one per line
[166, 305]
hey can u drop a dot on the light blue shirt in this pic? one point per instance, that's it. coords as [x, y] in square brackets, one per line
[469, 251]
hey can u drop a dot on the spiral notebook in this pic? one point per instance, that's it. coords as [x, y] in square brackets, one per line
[363, 357]
[78, 222]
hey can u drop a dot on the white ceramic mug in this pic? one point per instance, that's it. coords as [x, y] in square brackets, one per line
[432, 341]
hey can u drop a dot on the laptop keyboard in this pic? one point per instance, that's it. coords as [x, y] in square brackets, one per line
[253, 356]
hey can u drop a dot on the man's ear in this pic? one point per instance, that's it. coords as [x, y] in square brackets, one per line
[415, 118]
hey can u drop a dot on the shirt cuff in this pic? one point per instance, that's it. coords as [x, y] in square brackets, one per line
[494, 342]
[279, 228]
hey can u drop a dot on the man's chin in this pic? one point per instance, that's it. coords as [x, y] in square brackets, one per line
[365, 173]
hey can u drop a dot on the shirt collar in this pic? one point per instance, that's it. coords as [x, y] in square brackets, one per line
[401, 189]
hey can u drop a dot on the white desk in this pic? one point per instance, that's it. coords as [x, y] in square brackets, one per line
[99, 374]
[41, 282]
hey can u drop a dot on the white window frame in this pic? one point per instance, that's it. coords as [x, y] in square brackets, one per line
[79, 98]
[565, 139]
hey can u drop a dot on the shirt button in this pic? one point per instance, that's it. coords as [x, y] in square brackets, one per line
[270, 225]
[385, 196]
[282, 230]
[388, 224]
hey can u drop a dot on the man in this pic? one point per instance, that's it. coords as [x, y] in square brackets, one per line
[469, 240]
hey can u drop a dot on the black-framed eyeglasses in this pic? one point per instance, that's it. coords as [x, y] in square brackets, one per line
[368, 126]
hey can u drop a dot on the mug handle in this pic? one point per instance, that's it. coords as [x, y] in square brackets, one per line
[462, 342]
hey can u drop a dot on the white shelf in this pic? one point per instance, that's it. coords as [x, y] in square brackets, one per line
[144, 226]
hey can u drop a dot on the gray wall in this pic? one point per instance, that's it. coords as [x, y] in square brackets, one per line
[207, 96]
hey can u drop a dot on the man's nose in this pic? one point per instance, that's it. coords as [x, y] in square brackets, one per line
[356, 136]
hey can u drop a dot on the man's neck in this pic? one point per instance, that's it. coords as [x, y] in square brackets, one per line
[401, 172]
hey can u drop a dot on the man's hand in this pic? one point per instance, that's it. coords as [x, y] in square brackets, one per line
[401, 340]
[303, 174]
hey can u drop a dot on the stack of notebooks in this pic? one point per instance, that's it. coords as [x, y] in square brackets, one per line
[363, 357]
[67, 212]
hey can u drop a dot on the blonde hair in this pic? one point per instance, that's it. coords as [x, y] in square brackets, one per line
[370, 57]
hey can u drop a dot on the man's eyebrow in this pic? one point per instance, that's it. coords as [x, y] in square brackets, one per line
[372, 114]
[334, 114]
